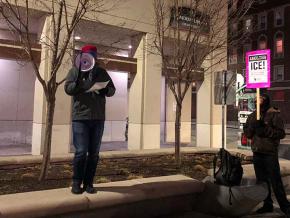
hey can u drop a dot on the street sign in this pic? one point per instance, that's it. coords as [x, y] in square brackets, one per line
[225, 81]
[258, 69]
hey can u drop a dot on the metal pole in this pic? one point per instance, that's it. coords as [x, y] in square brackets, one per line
[224, 101]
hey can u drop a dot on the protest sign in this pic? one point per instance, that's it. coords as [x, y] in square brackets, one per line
[258, 68]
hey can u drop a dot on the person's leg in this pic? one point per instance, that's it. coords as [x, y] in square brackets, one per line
[263, 177]
[96, 133]
[277, 184]
[81, 142]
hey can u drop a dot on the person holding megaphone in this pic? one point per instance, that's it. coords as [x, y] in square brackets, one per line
[89, 85]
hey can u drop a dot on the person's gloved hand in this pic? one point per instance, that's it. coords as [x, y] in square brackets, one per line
[103, 92]
[260, 128]
[85, 80]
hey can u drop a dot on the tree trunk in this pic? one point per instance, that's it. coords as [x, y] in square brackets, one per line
[177, 133]
[48, 135]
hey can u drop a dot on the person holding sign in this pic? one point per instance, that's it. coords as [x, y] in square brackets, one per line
[89, 84]
[266, 133]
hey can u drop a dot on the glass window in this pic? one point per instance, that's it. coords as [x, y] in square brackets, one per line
[278, 73]
[279, 44]
[243, 105]
[262, 21]
[248, 24]
[233, 56]
[279, 17]
[262, 45]
[247, 47]
[262, 42]
[279, 96]
[235, 27]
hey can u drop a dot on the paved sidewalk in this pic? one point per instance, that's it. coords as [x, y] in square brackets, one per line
[232, 143]
[32, 159]
[25, 149]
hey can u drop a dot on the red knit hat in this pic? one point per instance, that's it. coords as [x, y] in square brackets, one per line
[89, 48]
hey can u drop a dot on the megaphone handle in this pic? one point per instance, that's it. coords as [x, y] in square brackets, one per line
[80, 65]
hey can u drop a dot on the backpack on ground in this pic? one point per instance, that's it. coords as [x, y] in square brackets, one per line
[230, 171]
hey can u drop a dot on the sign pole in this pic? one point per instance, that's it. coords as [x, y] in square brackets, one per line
[258, 104]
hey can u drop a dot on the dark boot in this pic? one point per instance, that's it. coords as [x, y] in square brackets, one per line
[286, 212]
[89, 188]
[265, 209]
[76, 188]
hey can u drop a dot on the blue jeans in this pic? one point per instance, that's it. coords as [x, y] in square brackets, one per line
[87, 137]
[267, 169]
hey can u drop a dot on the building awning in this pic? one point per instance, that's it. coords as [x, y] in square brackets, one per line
[14, 50]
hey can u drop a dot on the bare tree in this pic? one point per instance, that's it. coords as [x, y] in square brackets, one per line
[64, 17]
[188, 34]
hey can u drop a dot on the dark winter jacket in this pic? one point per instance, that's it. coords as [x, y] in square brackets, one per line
[266, 137]
[88, 105]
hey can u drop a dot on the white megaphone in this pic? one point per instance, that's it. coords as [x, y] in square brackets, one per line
[85, 62]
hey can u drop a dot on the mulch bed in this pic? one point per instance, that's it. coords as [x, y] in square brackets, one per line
[24, 178]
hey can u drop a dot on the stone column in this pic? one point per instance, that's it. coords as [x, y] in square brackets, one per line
[62, 117]
[185, 133]
[208, 115]
[144, 99]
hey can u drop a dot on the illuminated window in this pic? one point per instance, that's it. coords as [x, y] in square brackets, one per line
[279, 45]
[262, 42]
[248, 24]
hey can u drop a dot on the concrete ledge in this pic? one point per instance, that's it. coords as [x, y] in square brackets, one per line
[41, 203]
[109, 198]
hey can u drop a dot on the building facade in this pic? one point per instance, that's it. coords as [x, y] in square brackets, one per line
[265, 26]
